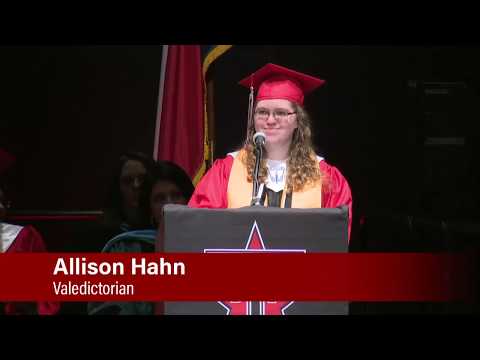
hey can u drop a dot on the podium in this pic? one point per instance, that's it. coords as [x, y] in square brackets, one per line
[297, 230]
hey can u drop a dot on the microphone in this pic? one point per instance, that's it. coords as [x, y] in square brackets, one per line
[259, 139]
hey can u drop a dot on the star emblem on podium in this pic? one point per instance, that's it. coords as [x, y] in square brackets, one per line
[255, 244]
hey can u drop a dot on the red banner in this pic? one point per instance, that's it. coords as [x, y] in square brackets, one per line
[255, 277]
[180, 119]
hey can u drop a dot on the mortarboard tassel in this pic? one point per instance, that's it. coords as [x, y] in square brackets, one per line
[250, 110]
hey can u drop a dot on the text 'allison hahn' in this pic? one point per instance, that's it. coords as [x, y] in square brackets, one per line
[138, 266]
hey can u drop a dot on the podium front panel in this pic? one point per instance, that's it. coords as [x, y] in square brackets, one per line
[207, 230]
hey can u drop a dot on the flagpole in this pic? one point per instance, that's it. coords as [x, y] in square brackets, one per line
[160, 101]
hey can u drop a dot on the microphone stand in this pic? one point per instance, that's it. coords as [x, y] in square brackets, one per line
[257, 189]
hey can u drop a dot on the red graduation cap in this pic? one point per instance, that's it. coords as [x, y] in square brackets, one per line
[277, 82]
[6, 161]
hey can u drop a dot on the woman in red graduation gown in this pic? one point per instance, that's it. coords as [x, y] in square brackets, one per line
[13, 239]
[291, 173]
[25, 239]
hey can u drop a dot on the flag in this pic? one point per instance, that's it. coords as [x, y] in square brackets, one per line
[209, 54]
[181, 132]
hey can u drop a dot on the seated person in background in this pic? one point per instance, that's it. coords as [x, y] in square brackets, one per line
[122, 211]
[13, 239]
[167, 184]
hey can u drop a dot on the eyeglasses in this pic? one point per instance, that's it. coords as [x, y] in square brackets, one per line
[278, 114]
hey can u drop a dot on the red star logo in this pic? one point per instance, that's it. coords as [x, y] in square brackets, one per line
[255, 244]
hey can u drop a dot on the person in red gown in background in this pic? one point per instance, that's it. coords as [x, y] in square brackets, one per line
[292, 174]
[14, 239]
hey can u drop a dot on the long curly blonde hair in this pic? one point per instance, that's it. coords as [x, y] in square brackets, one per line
[302, 165]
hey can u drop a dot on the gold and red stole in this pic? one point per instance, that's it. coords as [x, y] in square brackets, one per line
[239, 190]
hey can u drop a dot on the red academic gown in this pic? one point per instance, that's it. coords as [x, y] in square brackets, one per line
[211, 191]
[28, 240]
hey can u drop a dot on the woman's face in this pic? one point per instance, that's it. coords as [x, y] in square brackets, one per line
[164, 192]
[132, 177]
[277, 119]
